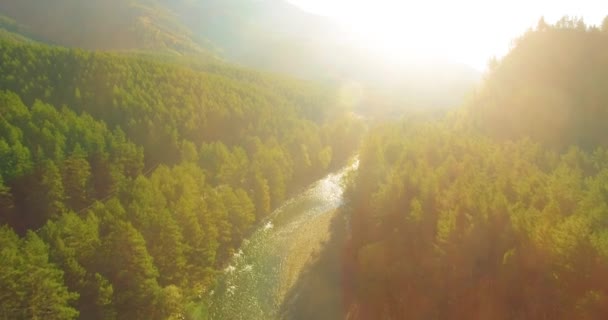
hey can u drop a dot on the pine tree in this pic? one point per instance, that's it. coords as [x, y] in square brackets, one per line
[74, 245]
[32, 287]
[53, 193]
[7, 205]
[131, 271]
[76, 173]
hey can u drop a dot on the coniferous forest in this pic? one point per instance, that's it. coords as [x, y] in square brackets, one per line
[500, 209]
[126, 181]
[133, 172]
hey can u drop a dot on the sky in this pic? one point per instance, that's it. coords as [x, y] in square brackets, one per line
[463, 31]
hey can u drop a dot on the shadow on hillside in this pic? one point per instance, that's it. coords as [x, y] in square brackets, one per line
[318, 291]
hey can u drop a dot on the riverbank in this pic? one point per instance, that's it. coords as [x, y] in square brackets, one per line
[318, 291]
[266, 274]
[304, 251]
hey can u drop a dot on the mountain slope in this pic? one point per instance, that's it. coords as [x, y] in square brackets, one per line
[112, 24]
[133, 179]
[551, 87]
[500, 211]
[272, 35]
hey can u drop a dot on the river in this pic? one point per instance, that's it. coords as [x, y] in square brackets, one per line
[259, 276]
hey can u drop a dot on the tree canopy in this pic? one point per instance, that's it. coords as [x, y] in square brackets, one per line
[132, 178]
[499, 210]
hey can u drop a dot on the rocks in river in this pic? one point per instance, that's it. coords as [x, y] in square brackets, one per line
[268, 226]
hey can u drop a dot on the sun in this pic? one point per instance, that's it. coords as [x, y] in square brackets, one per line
[465, 31]
[388, 33]
[406, 31]
[399, 31]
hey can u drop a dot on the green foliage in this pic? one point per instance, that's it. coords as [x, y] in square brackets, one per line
[74, 243]
[143, 175]
[128, 266]
[111, 24]
[76, 178]
[11, 30]
[454, 224]
[6, 199]
[54, 192]
[500, 210]
[55, 159]
[550, 87]
[32, 287]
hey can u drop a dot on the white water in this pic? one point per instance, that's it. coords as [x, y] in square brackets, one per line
[249, 287]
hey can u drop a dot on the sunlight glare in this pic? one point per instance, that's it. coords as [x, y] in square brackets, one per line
[467, 31]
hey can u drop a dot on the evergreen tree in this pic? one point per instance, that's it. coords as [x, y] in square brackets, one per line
[131, 271]
[74, 244]
[32, 287]
[167, 167]
[76, 179]
[54, 194]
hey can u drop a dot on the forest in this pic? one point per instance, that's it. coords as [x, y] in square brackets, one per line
[500, 209]
[128, 179]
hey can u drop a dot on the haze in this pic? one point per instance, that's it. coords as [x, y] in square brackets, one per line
[470, 31]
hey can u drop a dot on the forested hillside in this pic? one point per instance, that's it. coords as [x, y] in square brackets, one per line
[269, 34]
[556, 74]
[272, 35]
[127, 180]
[110, 24]
[499, 211]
